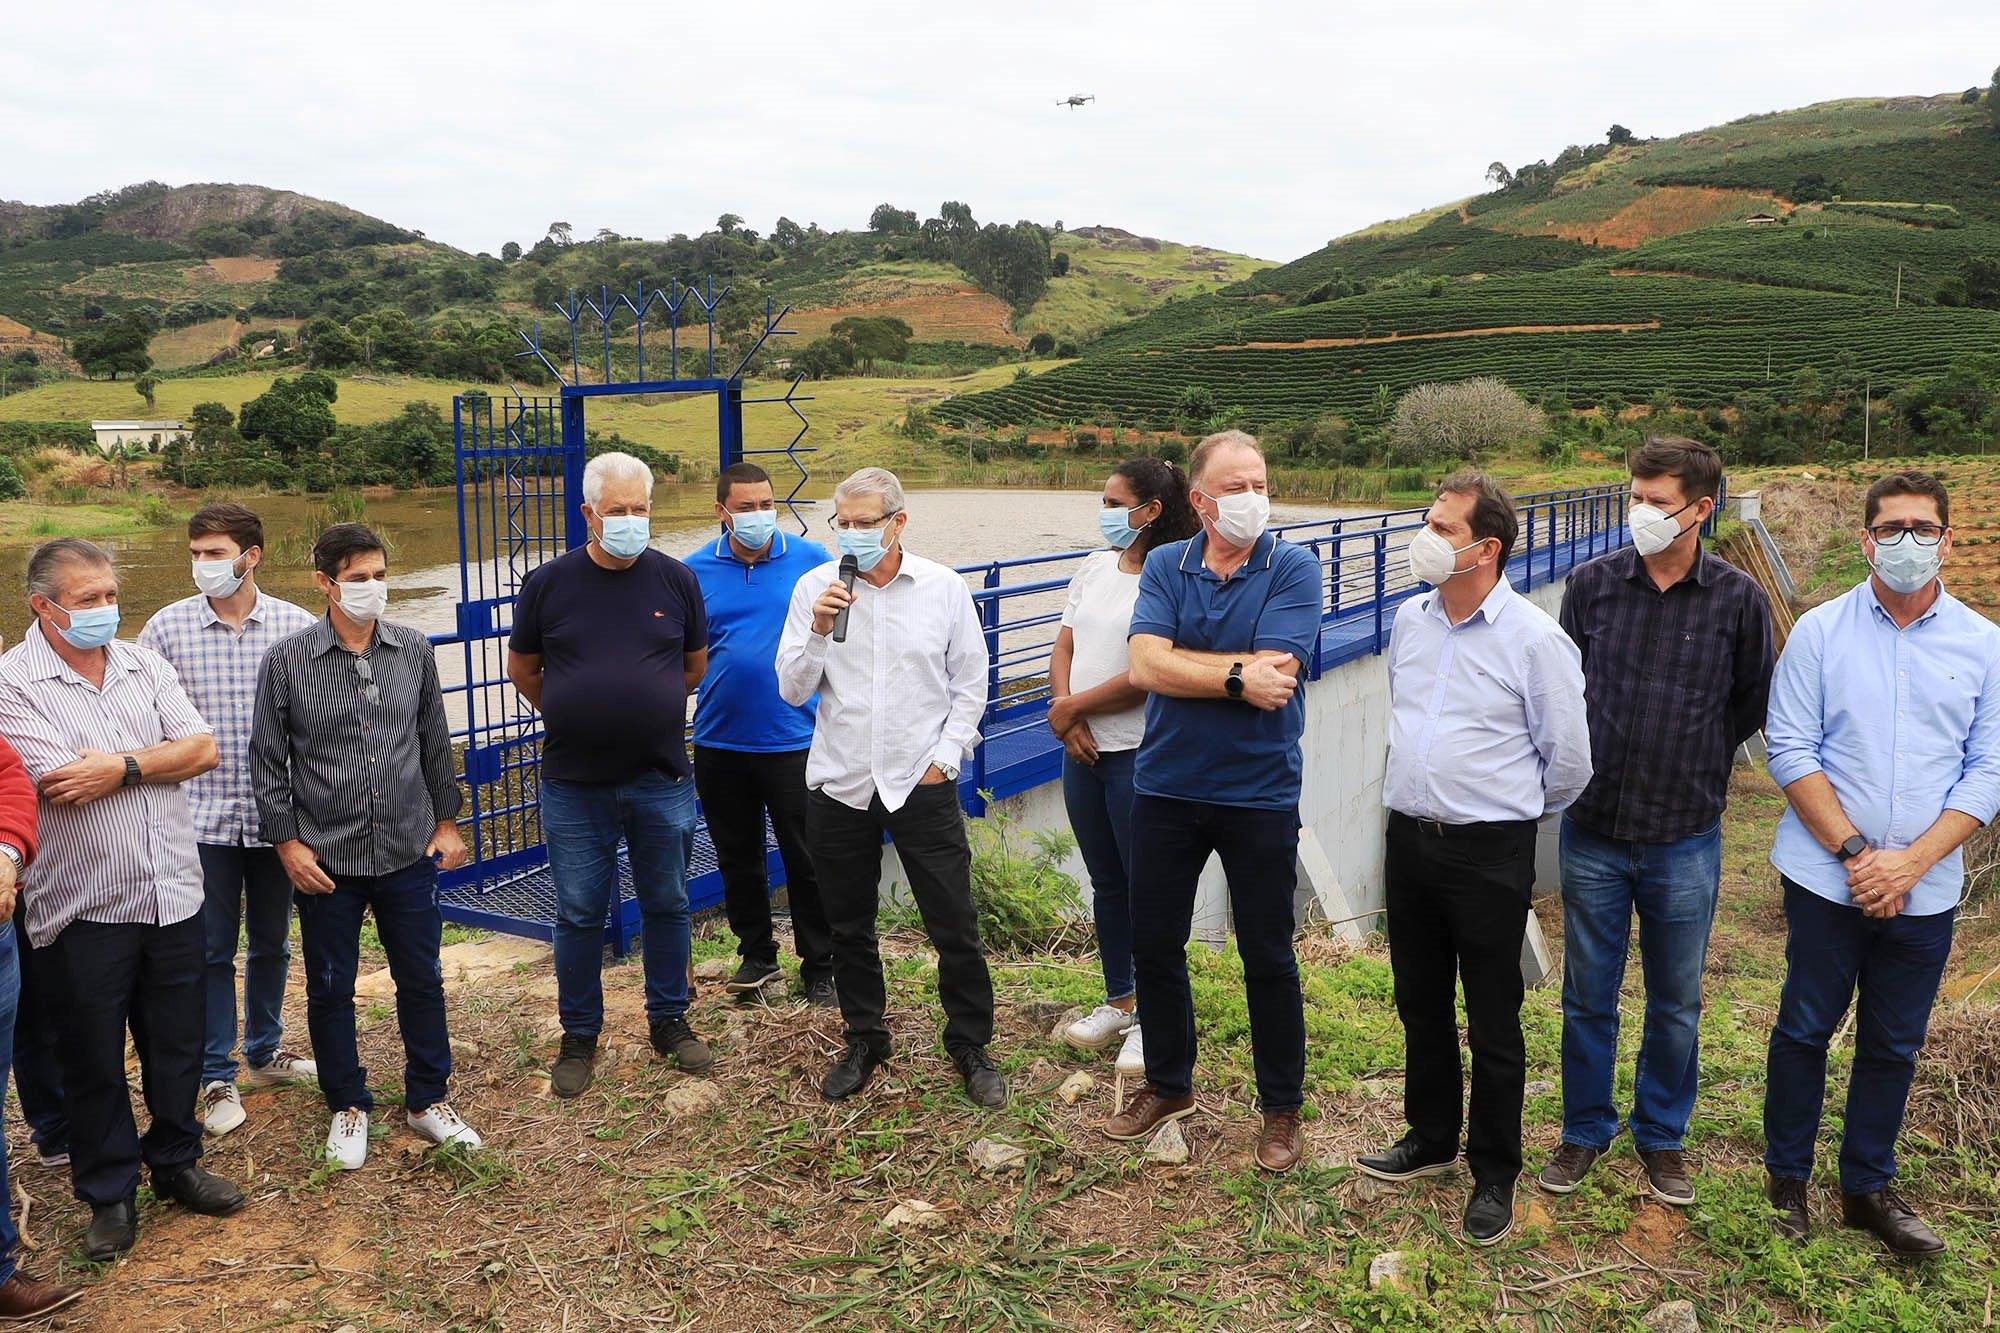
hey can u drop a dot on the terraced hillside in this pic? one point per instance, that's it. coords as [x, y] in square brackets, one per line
[1630, 269]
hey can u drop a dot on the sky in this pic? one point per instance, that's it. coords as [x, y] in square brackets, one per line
[1261, 127]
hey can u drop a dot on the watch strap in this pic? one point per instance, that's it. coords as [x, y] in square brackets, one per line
[13, 853]
[132, 774]
[1234, 682]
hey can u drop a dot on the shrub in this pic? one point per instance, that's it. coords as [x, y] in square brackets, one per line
[1026, 901]
[11, 485]
[1449, 422]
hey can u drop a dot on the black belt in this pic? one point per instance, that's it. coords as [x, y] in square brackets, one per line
[1488, 829]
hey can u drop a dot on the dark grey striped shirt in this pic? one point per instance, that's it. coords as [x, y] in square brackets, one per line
[362, 783]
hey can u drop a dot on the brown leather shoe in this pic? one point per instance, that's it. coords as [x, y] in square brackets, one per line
[1793, 1216]
[1892, 1222]
[1283, 1141]
[21, 1297]
[1667, 1176]
[1145, 1112]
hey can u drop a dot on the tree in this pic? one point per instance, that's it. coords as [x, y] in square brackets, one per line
[823, 358]
[889, 220]
[1993, 99]
[559, 232]
[787, 234]
[510, 252]
[1195, 406]
[728, 223]
[1970, 97]
[881, 337]
[1059, 265]
[1618, 134]
[1442, 423]
[1497, 173]
[214, 425]
[957, 218]
[118, 347]
[292, 416]
[144, 387]
[1042, 344]
[1982, 282]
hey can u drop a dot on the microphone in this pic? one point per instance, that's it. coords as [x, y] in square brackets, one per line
[848, 569]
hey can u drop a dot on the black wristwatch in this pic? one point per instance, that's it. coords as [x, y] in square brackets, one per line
[1234, 684]
[132, 774]
[1852, 848]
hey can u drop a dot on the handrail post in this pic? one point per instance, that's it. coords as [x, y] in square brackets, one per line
[1381, 581]
[989, 617]
[1531, 548]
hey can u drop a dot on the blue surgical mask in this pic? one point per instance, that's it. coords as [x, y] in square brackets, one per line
[626, 535]
[753, 530]
[865, 545]
[92, 627]
[1116, 525]
[1907, 566]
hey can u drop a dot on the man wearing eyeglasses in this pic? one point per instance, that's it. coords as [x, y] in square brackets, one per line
[1884, 732]
[350, 760]
[899, 665]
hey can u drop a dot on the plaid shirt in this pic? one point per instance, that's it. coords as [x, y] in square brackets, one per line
[218, 669]
[1674, 681]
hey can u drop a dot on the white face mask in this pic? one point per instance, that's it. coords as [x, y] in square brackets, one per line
[1240, 518]
[364, 602]
[1653, 528]
[1432, 559]
[217, 578]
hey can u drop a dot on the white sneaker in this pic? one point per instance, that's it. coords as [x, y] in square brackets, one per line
[1132, 1055]
[285, 1067]
[1098, 1028]
[441, 1125]
[52, 1160]
[347, 1140]
[221, 1108]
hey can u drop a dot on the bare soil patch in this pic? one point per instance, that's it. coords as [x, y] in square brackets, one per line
[1663, 211]
[237, 268]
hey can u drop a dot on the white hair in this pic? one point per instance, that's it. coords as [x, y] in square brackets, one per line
[613, 467]
[1215, 444]
[876, 481]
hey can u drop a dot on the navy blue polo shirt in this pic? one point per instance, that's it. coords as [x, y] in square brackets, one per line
[1224, 751]
[738, 707]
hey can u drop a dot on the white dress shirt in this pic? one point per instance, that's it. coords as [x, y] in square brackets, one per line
[905, 691]
[1486, 719]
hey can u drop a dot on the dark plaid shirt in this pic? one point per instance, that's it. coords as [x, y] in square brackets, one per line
[1674, 682]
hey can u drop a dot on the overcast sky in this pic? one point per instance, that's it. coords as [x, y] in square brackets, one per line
[1260, 127]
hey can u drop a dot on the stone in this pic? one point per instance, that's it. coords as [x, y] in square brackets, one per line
[1672, 1317]
[1168, 1146]
[1041, 1012]
[712, 969]
[1074, 1087]
[1541, 1087]
[1367, 1189]
[994, 1157]
[1398, 1270]
[1068, 1016]
[914, 1215]
[690, 1096]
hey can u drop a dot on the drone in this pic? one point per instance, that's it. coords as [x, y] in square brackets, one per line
[1075, 100]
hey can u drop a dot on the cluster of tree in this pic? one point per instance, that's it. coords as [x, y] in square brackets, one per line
[116, 346]
[1539, 178]
[855, 341]
[1014, 263]
[287, 438]
[87, 215]
[311, 232]
[448, 348]
[1977, 284]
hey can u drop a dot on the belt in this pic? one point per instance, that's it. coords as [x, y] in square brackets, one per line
[1437, 828]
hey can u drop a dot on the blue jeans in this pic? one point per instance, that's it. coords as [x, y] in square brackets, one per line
[582, 823]
[1099, 800]
[1673, 886]
[406, 918]
[244, 888]
[1898, 964]
[10, 994]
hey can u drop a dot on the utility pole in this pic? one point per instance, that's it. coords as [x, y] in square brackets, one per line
[1867, 411]
[1899, 286]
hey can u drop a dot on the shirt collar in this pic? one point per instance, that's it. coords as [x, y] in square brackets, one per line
[1703, 572]
[45, 664]
[1944, 596]
[206, 610]
[1489, 609]
[722, 550]
[325, 640]
[1193, 559]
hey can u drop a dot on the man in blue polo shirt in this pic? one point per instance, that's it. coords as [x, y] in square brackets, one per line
[750, 746]
[1223, 623]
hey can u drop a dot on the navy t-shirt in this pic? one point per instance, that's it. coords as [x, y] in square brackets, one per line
[614, 692]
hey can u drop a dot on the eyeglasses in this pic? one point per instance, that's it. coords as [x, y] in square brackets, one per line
[369, 689]
[839, 524]
[1888, 534]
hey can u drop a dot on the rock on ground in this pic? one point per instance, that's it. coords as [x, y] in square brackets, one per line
[1067, 1017]
[712, 969]
[1672, 1317]
[993, 1157]
[1398, 1269]
[690, 1096]
[1074, 1087]
[914, 1215]
[1168, 1145]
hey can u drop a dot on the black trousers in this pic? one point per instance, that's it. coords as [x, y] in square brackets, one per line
[1458, 904]
[737, 788]
[104, 978]
[929, 833]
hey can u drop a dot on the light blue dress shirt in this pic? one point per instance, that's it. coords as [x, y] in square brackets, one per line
[1904, 723]
[1486, 718]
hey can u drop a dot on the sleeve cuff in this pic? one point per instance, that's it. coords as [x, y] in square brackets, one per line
[1982, 810]
[1785, 772]
[280, 828]
[1151, 627]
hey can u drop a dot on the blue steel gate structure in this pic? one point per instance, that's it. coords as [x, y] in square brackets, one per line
[519, 464]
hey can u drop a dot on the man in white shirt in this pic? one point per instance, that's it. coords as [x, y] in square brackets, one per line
[1487, 734]
[901, 685]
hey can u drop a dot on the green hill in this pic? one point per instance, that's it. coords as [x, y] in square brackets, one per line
[1632, 269]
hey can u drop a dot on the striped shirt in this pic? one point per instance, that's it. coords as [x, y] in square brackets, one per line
[123, 858]
[218, 667]
[362, 783]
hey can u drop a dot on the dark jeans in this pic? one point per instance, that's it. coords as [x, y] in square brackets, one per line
[1098, 798]
[244, 890]
[37, 1064]
[1673, 886]
[1171, 842]
[406, 919]
[10, 992]
[103, 979]
[583, 822]
[929, 833]
[1458, 905]
[1897, 964]
[736, 788]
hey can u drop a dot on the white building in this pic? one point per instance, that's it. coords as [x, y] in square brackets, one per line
[139, 436]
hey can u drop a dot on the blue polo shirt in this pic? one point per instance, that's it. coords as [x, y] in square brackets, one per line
[738, 707]
[1223, 751]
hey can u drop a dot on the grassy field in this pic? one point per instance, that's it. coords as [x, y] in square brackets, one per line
[1112, 279]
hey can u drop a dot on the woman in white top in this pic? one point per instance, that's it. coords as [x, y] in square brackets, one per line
[1101, 719]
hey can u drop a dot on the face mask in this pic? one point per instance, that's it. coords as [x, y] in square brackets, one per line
[626, 535]
[753, 531]
[1240, 519]
[217, 578]
[1653, 528]
[1432, 559]
[1906, 566]
[364, 603]
[92, 627]
[865, 545]
[1116, 525]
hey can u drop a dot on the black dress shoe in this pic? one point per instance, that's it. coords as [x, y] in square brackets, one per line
[199, 1191]
[820, 993]
[850, 1072]
[1408, 1160]
[983, 1083]
[1788, 1197]
[113, 1228]
[1892, 1223]
[1489, 1214]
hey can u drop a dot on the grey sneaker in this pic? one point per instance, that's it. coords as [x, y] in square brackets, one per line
[575, 1066]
